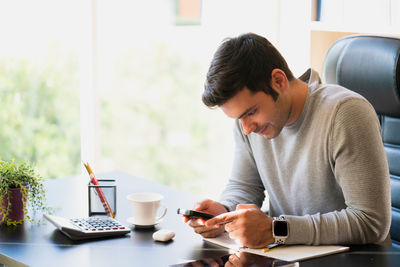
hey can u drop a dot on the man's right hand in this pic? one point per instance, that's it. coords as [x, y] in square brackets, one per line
[208, 206]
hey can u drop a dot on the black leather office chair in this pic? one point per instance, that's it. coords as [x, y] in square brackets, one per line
[370, 65]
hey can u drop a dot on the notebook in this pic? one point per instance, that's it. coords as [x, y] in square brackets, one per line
[285, 252]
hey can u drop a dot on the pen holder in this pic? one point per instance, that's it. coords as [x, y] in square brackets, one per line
[109, 189]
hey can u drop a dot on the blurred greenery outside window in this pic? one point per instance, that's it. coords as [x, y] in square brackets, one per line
[154, 125]
[39, 86]
[40, 111]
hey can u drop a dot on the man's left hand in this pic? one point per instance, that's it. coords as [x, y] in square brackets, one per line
[248, 224]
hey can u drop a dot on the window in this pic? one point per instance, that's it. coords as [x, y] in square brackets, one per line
[151, 76]
[131, 73]
[39, 96]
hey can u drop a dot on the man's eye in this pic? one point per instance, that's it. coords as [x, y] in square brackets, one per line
[251, 113]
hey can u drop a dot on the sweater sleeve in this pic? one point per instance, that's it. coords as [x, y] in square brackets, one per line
[358, 160]
[245, 185]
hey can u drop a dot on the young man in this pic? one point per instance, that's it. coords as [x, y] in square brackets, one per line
[315, 148]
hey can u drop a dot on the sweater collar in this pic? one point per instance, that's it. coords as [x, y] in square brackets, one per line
[311, 77]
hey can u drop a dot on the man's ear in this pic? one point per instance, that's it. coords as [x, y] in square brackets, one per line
[279, 81]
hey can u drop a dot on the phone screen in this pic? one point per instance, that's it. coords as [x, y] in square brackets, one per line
[195, 214]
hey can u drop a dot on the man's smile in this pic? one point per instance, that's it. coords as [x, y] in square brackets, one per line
[263, 130]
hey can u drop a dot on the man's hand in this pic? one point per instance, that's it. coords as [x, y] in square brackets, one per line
[208, 206]
[242, 259]
[247, 223]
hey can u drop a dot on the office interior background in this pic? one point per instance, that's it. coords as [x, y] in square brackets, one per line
[118, 83]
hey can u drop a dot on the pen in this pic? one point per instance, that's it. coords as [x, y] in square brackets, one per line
[99, 191]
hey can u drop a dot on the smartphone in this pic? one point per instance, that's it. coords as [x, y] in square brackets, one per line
[192, 214]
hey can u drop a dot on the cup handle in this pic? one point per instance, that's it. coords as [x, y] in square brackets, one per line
[163, 214]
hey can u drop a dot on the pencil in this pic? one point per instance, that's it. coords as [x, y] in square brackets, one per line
[271, 246]
[99, 191]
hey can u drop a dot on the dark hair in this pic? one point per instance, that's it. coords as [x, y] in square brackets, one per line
[244, 61]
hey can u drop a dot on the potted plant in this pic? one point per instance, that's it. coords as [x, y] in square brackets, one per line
[20, 187]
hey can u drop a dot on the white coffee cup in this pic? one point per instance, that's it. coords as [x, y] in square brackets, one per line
[145, 206]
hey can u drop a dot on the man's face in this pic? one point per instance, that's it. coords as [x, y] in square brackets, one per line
[258, 112]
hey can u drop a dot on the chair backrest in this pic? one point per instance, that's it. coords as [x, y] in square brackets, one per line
[370, 66]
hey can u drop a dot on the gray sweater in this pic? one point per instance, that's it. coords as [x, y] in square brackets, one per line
[327, 172]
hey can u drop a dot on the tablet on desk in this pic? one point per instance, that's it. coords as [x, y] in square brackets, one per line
[246, 259]
[90, 227]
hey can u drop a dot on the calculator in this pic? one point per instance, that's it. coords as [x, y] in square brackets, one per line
[90, 227]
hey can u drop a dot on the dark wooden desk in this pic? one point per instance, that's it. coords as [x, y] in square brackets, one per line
[43, 245]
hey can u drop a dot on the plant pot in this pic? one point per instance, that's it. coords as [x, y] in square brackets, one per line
[16, 212]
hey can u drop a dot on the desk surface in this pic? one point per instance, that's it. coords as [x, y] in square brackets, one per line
[43, 245]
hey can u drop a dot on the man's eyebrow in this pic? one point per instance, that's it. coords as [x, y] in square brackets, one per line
[247, 111]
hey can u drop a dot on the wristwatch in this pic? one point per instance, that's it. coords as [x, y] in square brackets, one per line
[280, 229]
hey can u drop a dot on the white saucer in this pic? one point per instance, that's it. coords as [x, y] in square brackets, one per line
[131, 220]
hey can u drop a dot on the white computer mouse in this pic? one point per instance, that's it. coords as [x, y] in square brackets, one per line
[163, 235]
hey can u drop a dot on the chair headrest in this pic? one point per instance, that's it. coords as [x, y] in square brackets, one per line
[370, 66]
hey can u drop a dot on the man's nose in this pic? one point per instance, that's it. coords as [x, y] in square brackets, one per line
[248, 126]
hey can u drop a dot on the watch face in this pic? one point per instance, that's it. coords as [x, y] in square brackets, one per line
[280, 228]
